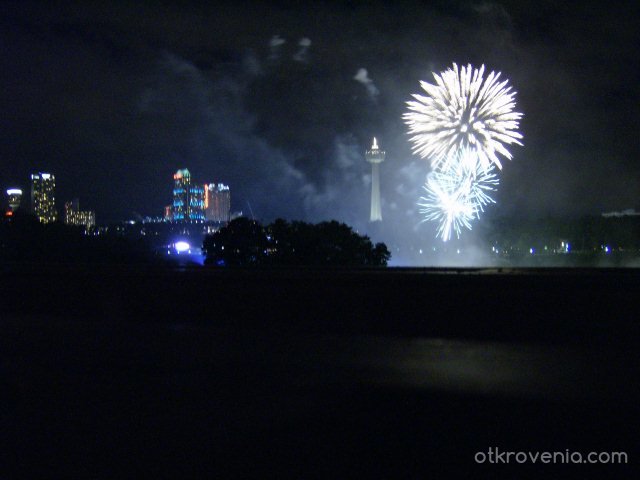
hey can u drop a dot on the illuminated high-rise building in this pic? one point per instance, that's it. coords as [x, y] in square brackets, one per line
[74, 216]
[43, 201]
[217, 202]
[188, 198]
[375, 157]
[15, 197]
[182, 179]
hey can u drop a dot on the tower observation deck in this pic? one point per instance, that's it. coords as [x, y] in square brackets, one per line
[375, 157]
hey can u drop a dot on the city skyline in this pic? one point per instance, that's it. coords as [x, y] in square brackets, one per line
[212, 201]
[92, 92]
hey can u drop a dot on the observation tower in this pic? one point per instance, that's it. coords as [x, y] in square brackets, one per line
[375, 157]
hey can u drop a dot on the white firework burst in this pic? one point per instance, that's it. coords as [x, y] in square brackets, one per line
[457, 196]
[445, 204]
[464, 110]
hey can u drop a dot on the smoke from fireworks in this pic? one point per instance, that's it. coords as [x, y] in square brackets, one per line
[463, 110]
[462, 126]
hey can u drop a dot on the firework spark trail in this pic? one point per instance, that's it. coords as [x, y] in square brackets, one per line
[443, 203]
[464, 110]
[478, 183]
[458, 195]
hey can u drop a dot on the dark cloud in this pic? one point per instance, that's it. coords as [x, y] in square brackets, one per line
[114, 98]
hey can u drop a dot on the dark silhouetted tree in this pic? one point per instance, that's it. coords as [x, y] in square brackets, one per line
[242, 242]
[245, 242]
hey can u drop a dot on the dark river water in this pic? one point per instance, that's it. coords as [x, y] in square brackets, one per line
[118, 372]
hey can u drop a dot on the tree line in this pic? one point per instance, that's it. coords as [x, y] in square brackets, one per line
[245, 242]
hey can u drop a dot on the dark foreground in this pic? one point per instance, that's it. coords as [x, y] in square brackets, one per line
[314, 374]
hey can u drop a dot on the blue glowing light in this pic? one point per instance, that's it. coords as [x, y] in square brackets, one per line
[182, 246]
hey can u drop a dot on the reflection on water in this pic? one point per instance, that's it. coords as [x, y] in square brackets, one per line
[291, 360]
[460, 366]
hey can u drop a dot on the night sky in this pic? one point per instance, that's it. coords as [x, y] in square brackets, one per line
[271, 98]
